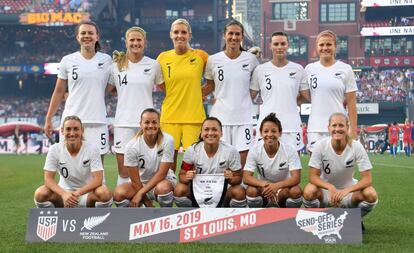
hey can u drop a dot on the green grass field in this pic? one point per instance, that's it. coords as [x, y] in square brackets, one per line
[390, 227]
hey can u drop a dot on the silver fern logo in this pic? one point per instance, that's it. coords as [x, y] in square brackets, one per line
[94, 221]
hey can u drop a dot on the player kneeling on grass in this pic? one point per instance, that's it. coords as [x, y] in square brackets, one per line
[80, 169]
[278, 165]
[149, 157]
[208, 167]
[331, 170]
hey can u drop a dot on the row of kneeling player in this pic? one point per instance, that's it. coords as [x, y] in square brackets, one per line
[211, 174]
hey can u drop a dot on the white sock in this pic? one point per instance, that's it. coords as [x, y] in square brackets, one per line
[166, 200]
[254, 202]
[367, 207]
[99, 204]
[183, 202]
[122, 180]
[238, 203]
[46, 204]
[123, 203]
[293, 203]
[311, 203]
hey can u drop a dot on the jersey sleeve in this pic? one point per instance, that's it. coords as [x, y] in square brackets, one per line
[254, 84]
[254, 63]
[234, 160]
[350, 83]
[189, 155]
[303, 85]
[251, 160]
[203, 54]
[208, 73]
[111, 79]
[362, 158]
[293, 159]
[131, 156]
[52, 159]
[168, 154]
[315, 160]
[159, 79]
[96, 161]
[63, 69]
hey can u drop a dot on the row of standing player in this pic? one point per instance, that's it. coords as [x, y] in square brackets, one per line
[331, 87]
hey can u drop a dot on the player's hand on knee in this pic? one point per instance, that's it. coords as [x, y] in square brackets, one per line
[69, 199]
[136, 200]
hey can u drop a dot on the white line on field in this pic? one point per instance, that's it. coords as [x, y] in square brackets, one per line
[393, 165]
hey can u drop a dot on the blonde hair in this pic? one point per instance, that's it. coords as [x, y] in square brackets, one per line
[159, 133]
[181, 21]
[348, 137]
[327, 33]
[120, 57]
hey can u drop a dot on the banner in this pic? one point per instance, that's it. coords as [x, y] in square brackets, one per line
[7, 146]
[20, 69]
[364, 108]
[208, 190]
[53, 18]
[379, 3]
[387, 31]
[391, 61]
[224, 225]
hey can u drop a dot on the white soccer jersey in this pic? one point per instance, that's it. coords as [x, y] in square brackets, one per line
[279, 88]
[274, 169]
[227, 157]
[134, 87]
[87, 80]
[328, 86]
[339, 169]
[232, 77]
[75, 172]
[138, 154]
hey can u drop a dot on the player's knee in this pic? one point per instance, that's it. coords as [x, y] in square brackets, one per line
[103, 194]
[163, 187]
[310, 192]
[237, 192]
[295, 192]
[119, 193]
[181, 190]
[42, 194]
[370, 195]
[252, 191]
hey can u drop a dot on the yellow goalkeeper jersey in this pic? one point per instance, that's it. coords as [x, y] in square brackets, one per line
[182, 76]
